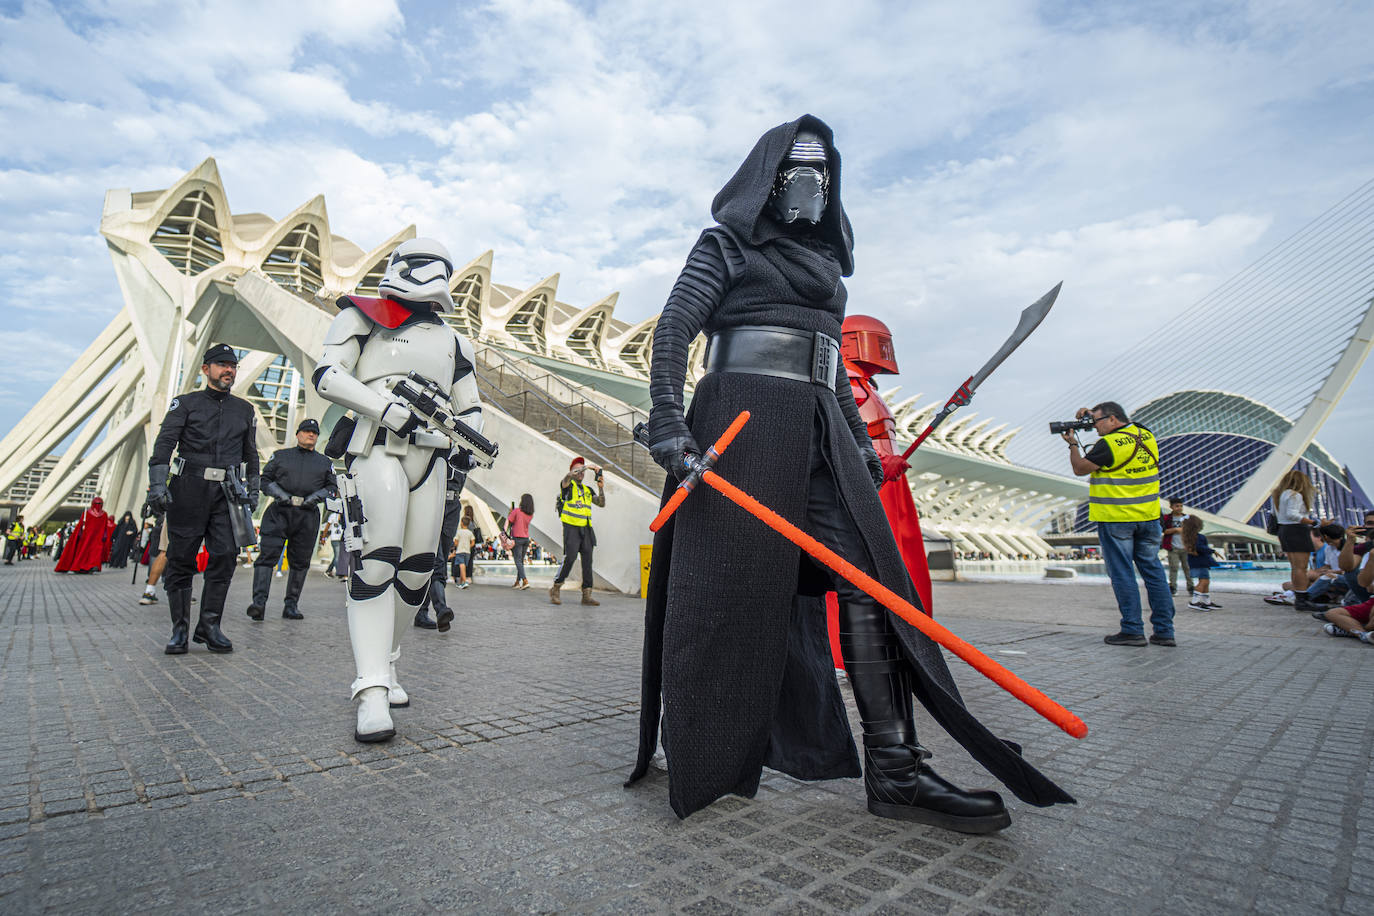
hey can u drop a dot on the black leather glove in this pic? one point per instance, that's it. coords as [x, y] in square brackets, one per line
[874, 465]
[275, 491]
[254, 497]
[314, 499]
[159, 497]
[670, 441]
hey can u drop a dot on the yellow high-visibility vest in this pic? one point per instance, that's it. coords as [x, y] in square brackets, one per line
[1127, 490]
[578, 510]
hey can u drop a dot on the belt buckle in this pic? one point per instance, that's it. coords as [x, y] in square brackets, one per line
[215, 474]
[823, 353]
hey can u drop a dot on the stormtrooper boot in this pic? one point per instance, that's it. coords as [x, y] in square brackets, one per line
[295, 581]
[396, 694]
[262, 584]
[370, 622]
[179, 603]
[896, 779]
[374, 716]
[208, 631]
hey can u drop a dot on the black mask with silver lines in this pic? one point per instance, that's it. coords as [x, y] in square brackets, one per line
[803, 180]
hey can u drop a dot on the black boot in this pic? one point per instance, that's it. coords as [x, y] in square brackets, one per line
[295, 581]
[898, 783]
[208, 631]
[262, 585]
[179, 603]
[441, 608]
[423, 620]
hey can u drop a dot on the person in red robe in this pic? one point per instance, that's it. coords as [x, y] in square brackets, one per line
[866, 347]
[89, 543]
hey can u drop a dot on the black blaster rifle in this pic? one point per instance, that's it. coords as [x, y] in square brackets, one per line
[429, 403]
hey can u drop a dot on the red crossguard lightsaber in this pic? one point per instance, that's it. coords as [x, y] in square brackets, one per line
[701, 470]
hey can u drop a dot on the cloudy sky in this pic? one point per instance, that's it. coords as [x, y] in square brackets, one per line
[1142, 152]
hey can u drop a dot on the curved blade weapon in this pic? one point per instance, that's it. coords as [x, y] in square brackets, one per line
[1031, 316]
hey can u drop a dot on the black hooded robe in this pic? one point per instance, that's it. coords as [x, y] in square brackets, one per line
[736, 659]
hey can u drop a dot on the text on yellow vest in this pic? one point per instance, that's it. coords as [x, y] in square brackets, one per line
[1127, 489]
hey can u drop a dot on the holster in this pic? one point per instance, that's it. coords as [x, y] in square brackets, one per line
[240, 518]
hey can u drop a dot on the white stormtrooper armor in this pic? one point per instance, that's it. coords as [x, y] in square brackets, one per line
[395, 464]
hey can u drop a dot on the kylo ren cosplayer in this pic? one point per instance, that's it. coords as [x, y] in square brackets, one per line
[736, 657]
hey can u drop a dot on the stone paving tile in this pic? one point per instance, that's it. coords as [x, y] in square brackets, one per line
[135, 782]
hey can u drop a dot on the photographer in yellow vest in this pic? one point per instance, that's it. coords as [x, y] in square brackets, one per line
[578, 536]
[1123, 499]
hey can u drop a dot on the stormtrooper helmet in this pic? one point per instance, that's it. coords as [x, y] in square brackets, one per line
[803, 180]
[418, 272]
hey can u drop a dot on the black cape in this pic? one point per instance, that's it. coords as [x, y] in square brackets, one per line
[736, 658]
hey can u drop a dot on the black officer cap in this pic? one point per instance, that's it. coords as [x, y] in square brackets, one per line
[220, 353]
[308, 426]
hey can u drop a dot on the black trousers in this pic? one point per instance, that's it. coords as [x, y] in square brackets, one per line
[295, 528]
[453, 513]
[199, 512]
[577, 540]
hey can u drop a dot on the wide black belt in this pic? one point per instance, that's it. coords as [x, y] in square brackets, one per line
[184, 467]
[803, 356]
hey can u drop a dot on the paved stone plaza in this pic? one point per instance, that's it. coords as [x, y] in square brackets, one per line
[1229, 774]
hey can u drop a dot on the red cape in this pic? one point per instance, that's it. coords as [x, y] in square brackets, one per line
[88, 545]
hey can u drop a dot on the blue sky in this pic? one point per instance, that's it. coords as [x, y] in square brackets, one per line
[1141, 152]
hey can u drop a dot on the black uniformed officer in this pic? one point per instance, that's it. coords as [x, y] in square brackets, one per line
[453, 510]
[213, 432]
[298, 479]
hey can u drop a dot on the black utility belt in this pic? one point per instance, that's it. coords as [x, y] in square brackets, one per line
[183, 468]
[803, 356]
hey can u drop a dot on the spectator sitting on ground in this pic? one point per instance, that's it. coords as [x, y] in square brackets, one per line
[1354, 558]
[1287, 593]
[1351, 620]
[1329, 585]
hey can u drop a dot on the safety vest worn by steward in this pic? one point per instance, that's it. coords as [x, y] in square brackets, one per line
[1127, 489]
[578, 510]
[16, 533]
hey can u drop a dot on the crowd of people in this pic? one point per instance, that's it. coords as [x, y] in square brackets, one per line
[1330, 575]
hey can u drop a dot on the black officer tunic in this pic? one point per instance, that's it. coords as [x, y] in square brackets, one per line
[302, 473]
[207, 429]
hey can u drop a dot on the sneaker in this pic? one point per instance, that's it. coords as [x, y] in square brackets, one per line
[1277, 598]
[1333, 630]
[1367, 637]
[148, 599]
[1212, 605]
[1125, 639]
[463, 584]
[1319, 615]
[1196, 605]
[1163, 641]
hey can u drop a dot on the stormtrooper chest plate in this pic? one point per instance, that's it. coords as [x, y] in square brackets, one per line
[427, 348]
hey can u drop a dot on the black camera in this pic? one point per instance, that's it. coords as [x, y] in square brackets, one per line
[1059, 427]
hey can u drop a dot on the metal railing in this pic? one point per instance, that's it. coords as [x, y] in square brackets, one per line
[567, 416]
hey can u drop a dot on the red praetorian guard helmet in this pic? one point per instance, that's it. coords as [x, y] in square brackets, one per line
[867, 341]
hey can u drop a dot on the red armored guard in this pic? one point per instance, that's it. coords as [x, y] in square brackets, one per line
[866, 346]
